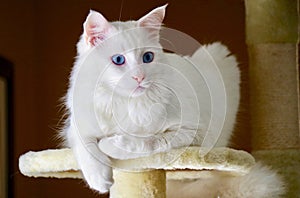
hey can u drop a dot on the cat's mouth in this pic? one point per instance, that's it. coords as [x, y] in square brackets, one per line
[139, 90]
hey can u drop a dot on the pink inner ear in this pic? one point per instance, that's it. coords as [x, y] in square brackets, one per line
[153, 19]
[94, 35]
[96, 28]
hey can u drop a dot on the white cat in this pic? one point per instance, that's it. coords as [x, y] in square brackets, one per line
[127, 98]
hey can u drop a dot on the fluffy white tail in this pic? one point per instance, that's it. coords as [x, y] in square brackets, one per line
[216, 57]
[261, 182]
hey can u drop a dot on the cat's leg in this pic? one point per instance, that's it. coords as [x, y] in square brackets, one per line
[94, 164]
[127, 147]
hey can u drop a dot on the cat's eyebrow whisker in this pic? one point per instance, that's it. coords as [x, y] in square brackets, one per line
[121, 9]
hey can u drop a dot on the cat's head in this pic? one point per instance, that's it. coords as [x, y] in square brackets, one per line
[131, 49]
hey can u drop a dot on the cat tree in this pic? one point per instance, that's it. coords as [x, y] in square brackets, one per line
[272, 38]
[144, 177]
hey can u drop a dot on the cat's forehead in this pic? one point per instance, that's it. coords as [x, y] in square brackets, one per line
[124, 25]
[130, 36]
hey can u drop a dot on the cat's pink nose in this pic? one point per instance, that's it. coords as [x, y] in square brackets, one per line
[139, 78]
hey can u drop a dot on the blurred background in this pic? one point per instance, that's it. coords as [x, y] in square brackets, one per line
[39, 38]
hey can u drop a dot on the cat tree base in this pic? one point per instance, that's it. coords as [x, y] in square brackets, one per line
[144, 177]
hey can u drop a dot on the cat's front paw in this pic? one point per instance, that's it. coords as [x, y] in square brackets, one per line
[95, 167]
[127, 147]
[98, 177]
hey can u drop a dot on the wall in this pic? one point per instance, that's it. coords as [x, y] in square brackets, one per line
[39, 37]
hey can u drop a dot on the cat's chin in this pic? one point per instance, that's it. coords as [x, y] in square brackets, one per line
[138, 91]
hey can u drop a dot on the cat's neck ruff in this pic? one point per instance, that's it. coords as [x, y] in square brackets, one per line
[140, 115]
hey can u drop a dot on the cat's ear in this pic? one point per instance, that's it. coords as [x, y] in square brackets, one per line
[154, 19]
[96, 28]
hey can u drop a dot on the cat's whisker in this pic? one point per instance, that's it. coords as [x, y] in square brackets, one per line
[121, 9]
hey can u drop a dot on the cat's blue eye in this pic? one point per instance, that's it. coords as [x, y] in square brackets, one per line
[118, 59]
[148, 57]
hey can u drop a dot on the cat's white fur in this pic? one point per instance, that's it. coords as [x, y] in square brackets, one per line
[261, 182]
[111, 116]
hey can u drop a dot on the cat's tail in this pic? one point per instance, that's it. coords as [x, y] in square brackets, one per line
[218, 58]
[260, 182]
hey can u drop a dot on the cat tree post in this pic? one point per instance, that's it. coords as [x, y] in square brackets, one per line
[272, 38]
[141, 184]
